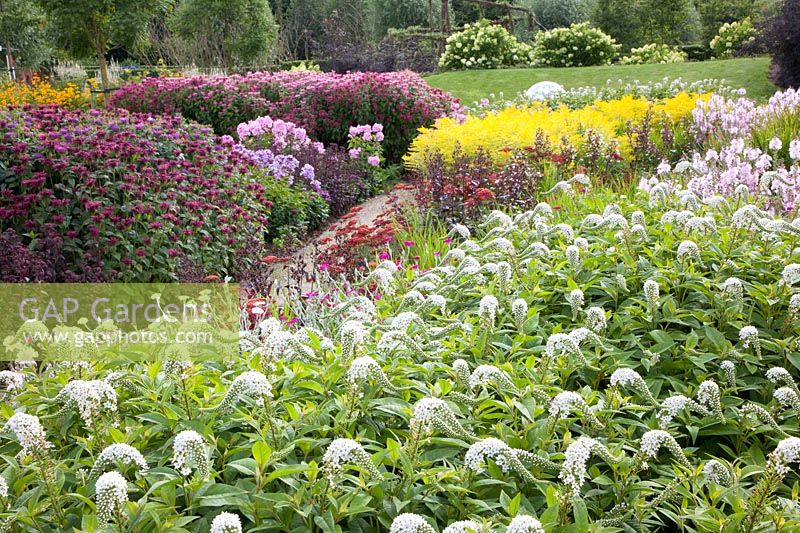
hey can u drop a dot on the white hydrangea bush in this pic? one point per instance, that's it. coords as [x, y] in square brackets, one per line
[483, 45]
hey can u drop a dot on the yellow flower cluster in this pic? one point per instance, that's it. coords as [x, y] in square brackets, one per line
[517, 127]
[43, 92]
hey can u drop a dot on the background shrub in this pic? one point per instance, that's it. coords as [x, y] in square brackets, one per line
[732, 37]
[654, 53]
[484, 45]
[780, 35]
[130, 192]
[325, 104]
[580, 45]
[561, 13]
[634, 23]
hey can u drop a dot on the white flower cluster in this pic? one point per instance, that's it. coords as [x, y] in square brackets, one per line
[787, 452]
[519, 309]
[29, 433]
[410, 523]
[688, 249]
[352, 336]
[565, 401]
[651, 295]
[487, 309]
[630, 377]
[498, 451]
[524, 524]
[734, 289]
[791, 274]
[3, 487]
[654, 439]
[118, 453]
[111, 494]
[576, 300]
[596, 319]
[189, 453]
[342, 451]
[90, 398]
[464, 526]
[729, 369]
[226, 522]
[787, 397]
[365, 368]
[434, 413]
[749, 337]
[251, 384]
[573, 470]
[717, 473]
[485, 375]
[11, 381]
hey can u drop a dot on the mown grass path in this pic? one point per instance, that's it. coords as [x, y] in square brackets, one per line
[472, 85]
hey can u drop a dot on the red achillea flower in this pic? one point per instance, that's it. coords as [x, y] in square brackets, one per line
[483, 194]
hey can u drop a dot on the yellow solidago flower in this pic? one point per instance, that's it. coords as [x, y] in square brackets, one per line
[517, 127]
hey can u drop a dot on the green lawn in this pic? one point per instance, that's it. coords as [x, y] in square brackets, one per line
[472, 85]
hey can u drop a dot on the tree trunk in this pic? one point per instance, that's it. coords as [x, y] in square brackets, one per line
[445, 18]
[430, 15]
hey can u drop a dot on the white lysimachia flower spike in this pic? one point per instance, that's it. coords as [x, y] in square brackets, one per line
[347, 451]
[717, 473]
[791, 274]
[11, 381]
[573, 470]
[787, 452]
[729, 369]
[89, 398]
[655, 439]
[524, 524]
[29, 433]
[226, 522]
[3, 487]
[573, 254]
[628, 377]
[118, 454]
[787, 397]
[465, 526]
[365, 368]
[352, 336]
[576, 300]
[567, 401]
[434, 413]
[762, 415]
[651, 296]
[485, 375]
[111, 494]
[749, 337]
[673, 405]
[189, 453]
[688, 250]
[519, 308]
[250, 384]
[596, 319]
[487, 309]
[780, 376]
[709, 396]
[410, 523]
[507, 458]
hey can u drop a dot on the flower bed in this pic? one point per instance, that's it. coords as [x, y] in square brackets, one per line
[100, 196]
[41, 91]
[326, 105]
[621, 363]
